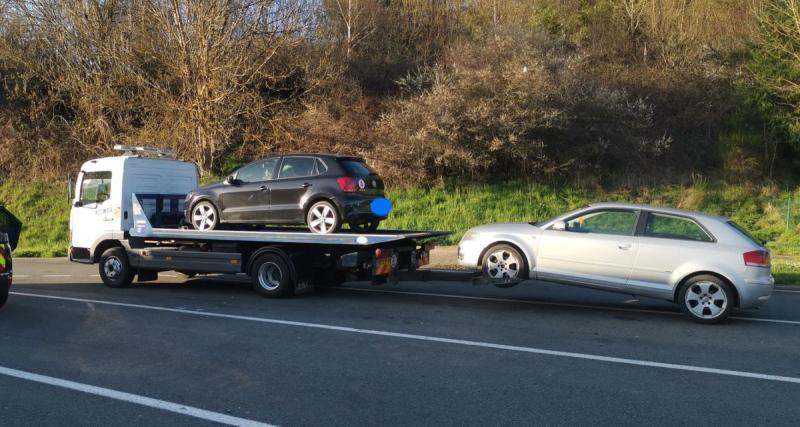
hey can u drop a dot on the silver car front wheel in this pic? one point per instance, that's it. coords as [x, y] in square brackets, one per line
[504, 262]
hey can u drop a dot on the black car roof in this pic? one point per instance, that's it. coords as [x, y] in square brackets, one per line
[323, 155]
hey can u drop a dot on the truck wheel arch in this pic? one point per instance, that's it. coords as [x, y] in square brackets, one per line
[104, 246]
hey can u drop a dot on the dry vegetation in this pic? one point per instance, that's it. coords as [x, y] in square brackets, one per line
[594, 91]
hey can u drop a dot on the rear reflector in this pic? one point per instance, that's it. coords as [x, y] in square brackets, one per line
[347, 184]
[757, 259]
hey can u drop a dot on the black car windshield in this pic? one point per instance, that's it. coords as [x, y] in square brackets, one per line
[356, 168]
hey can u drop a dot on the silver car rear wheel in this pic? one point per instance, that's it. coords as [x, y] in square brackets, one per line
[504, 262]
[707, 299]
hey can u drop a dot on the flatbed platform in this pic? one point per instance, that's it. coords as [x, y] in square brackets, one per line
[143, 229]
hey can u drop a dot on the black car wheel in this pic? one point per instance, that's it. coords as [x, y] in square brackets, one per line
[204, 216]
[363, 227]
[323, 218]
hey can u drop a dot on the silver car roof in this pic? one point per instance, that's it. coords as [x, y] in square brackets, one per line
[674, 211]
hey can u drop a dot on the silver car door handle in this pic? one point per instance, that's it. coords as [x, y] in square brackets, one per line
[624, 246]
[306, 185]
[264, 188]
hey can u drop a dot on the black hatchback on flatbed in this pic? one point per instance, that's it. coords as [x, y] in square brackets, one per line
[321, 191]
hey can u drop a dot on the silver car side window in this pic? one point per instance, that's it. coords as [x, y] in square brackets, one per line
[674, 227]
[617, 222]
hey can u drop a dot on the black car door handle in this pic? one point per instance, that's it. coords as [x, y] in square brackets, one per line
[306, 185]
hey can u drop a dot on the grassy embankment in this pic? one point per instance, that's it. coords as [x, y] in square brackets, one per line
[762, 210]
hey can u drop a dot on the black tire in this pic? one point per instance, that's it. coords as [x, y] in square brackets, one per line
[271, 276]
[517, 269]
[115, 270]
[3, 292]
[710, 299]
[327, 213]
[364, 227]
[211, 220]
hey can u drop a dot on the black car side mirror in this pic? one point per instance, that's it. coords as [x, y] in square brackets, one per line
[77, 203]
[231, 180]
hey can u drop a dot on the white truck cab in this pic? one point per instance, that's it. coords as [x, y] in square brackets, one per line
[101, 207]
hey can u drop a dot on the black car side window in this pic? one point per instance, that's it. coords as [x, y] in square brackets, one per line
[258, 171]
[297, 167]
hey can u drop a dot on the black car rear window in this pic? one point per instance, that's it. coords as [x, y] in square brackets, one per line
[355, 167]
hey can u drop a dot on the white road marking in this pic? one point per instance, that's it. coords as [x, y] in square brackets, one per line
[786, 291]
[57, 275]
[133, 398]
[556, 304]
[20, 276]
[480, 344]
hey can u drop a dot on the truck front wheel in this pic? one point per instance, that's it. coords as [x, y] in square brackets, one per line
[115, 270]
[271, 276]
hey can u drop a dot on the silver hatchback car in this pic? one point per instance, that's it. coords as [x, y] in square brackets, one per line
[705, 263]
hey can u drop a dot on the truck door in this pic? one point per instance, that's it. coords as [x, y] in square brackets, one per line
[92, 213]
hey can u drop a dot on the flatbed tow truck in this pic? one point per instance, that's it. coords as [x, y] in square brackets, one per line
[127, 213]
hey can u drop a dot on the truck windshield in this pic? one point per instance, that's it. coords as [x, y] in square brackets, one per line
[95, 187]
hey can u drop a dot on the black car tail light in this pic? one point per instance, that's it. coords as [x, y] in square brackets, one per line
[347, 184]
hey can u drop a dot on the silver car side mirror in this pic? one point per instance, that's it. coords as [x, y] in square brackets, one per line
[559, 226]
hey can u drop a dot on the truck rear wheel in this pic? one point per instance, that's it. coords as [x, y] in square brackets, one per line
[115, 270]
[271, 276]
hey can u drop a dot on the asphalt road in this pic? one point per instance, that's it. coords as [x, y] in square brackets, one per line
[208, 350]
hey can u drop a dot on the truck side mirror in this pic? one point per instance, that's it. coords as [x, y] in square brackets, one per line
[70, 189]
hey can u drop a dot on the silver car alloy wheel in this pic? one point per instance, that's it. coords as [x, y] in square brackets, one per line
[706, 300]
[269, 276]
[204, 217]
[112, 267]
[502, 264]
[321, 219]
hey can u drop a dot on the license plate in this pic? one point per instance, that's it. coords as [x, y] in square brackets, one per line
[383, 266]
